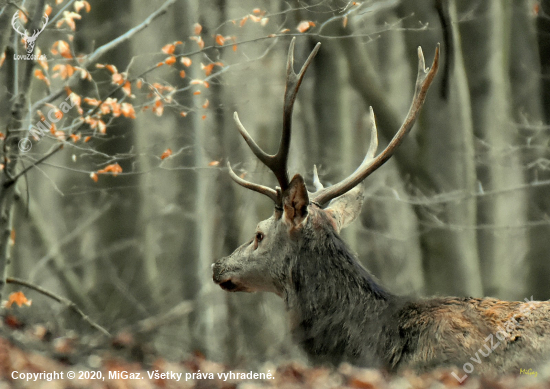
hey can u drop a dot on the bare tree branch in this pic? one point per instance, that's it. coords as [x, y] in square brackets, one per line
[68, 303]
[14, 179]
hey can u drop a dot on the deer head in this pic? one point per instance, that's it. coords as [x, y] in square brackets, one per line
[29, 40]
[304, 223]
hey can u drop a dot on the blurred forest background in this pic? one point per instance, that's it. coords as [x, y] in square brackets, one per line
[126, 219]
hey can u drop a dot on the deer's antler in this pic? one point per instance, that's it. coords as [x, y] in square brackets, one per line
[424, 79]
[278, 162]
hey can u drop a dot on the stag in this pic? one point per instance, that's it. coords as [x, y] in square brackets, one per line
[338, 311]
[29, 40]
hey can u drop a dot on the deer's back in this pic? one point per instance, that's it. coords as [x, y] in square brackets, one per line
[495, 336]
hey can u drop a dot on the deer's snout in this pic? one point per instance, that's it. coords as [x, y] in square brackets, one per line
[217, 271]
[220, 276]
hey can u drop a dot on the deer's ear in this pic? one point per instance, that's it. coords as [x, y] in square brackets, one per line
[295, 201]
[344, 210]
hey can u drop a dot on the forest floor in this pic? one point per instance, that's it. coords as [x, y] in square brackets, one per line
[31, 357]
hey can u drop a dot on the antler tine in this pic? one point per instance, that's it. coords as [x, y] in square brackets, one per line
[373, 146]
[271, 193]
[293, 82]
[423, 81]
[278, 162]
[316, 181]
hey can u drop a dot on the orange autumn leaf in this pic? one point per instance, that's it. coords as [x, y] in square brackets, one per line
[199, 41]
[94, 176]
[197, 92]
[87, 139]
[40, 75]
[113, 168]
[203, 117]
[170, 60]
[170, 47]
[128, 110]
[117, 78]
[197, 28]
[182, 73]
[59, 135]
[102, 126]
[166, 154]
[243, 21]
[91, 101]
[183, 114]
[127, 88]
[158, 108]
[284, 30]
[220, 40]
[84, 74]
[48, 10]
[207, 69]
[256, 11]
[160, 64]
[63, 71]
[68, 18]
[139, 83]
[305, 25]
[75, 137]
[17, 298]
[186, 61]
[78, 5]
[345, 21]
[214, 163]
[12, 238]
[206, 104]
[112, 68]
[61, 47]
[235, 47]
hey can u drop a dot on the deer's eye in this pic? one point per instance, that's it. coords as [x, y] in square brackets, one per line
[258, 238]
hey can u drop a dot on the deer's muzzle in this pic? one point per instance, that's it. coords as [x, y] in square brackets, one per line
[222, 277]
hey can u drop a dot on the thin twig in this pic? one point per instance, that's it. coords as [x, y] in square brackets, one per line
[68, 303]
[55, 249]
[13, 180]
[130, 33]
[154, 322]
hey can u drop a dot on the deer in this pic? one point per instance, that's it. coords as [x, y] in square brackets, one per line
[338, 311]
[29, 40]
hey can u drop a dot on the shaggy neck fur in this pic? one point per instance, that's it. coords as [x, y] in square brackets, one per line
[338, 312]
